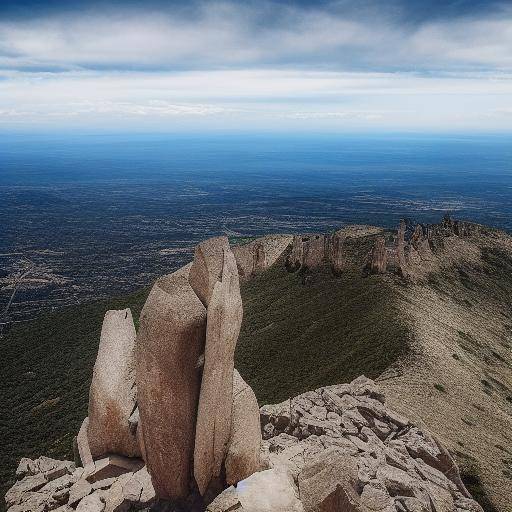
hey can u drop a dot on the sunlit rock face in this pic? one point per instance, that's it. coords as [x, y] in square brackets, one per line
[169, 343]
[112, 396]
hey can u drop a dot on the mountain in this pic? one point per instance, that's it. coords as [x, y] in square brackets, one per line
[425, 311]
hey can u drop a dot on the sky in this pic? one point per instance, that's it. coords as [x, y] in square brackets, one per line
[328, 65]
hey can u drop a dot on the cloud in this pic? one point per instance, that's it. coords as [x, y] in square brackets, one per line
[259, 64]
[232, 35]
[259, 97]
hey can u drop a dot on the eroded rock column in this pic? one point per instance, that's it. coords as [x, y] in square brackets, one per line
[216, 399]
[112, 394]
[169, 344]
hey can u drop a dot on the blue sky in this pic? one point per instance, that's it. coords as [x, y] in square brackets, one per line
[292, 65]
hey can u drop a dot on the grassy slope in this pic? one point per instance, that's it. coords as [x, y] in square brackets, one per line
[45, 373]
[296, 337]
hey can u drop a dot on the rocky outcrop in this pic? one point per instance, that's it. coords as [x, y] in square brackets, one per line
[315, 250]
[243, 457]
[169, 343]
[198, 426]
[216, 398]
[412, 247]
[345, 450]
[57, 485]
[112, 396]
[336, 449]
[82, 444]
[251, 259]
[377, 259]
[258, 255]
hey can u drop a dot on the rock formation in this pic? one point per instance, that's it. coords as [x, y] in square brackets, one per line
[169, 343]
[243, 457]
[207, 266]
[377, 259]
[197, 423]
[57, 485]
[343, 450]
[312, 251]
[260, 254]
[413, 244]
[216, 399]
[112, 393]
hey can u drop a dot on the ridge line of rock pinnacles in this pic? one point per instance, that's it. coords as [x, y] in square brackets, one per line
[402, 254]
[169, 397]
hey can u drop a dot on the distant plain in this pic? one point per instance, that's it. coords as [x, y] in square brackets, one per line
[107, 214]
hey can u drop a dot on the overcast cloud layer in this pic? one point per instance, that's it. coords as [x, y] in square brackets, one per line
[250, 65]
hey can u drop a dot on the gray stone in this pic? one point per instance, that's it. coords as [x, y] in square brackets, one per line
[112, 393]
[269, 490]
[329, 483]
[29, 484]
[78, 491]
[215, 408]
[207, 267]
[113, 466]
[92, 503]
[84, 449]
[243, 456]
[227, 501]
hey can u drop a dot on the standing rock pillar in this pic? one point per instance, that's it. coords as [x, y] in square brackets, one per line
[112, 393]
[169, 344]
[214, 415]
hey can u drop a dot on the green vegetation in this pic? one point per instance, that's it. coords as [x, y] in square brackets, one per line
[46, 368]
[440, 388]
[306, 330]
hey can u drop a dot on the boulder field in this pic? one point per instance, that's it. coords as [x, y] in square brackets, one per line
[172, 425]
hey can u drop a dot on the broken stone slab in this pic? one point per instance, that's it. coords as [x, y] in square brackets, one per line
[170, 340]
[215, 408]
[243, 456]
[364, 386]
[114, 497]
[84, 450]
[113, 466]
[112, 395]
[375, 498]
[92, 503]
[103, 484]
[207, 267]
[279, 415]
[468, 504]
[78, 491]
[35, 502]
[329, 482]
[269, 490]
[31, 483]
[52, 468]
[400, 483]
[58, 484]
[26, 467]
[139, 489]
[227, 501]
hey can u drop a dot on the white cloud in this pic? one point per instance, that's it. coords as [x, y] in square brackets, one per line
[227, 34]
[260, 97]
[239, 65]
